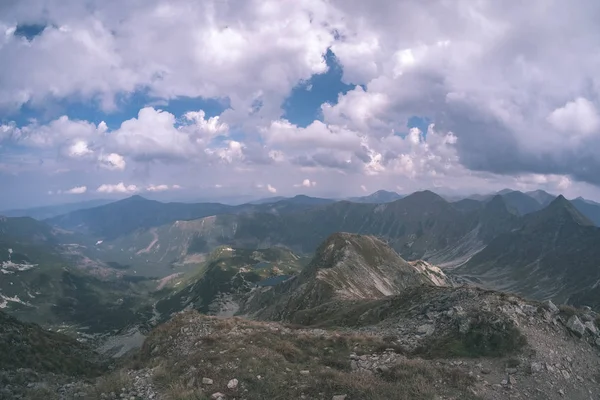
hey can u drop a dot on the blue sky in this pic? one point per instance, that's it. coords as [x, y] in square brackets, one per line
[225, 99]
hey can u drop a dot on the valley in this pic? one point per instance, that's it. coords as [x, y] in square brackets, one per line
[381, 287]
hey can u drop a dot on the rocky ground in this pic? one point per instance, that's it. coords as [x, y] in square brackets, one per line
[491, 346]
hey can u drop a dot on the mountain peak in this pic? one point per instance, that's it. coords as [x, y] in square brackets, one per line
[562, 209]
[425, 196]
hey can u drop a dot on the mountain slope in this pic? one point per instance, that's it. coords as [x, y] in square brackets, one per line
[588, 208]
[553, 254]
[227, 275]
[521, 202]
[345, 267]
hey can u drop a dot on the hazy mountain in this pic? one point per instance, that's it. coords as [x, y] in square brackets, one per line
[521, 202]
[588, 208]
[553, 254]
[267, 200]
[542, 197]
[345, 267]
[379, 197]
[124, 216]
[53, 211]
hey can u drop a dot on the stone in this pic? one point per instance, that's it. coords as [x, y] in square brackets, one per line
[565, 374]
[305, 372]
[426, 329]
[339, 397]
[232, 384]
[530, 310]
[207, 381]
[598, 342]
[464, 325]
[512, 380]
[217, 396]
[536, 367]
[561, 392]
[575, 325]
[486, 371]
[511, 370]
[551, 307]
[591, 328]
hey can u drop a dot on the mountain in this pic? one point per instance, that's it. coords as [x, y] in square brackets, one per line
[553, 254]
[379, 197]
[542, 197]
[588, 208]
[225, 277]
[521, 202]
[345, 267]
[420, 226]
[46, 212]
[125, 216]
[267, 200]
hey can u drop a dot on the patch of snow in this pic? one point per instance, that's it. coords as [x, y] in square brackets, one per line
[99, 242]
[9, 265]
[15, 299]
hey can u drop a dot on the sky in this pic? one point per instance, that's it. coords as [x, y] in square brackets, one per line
[214, 99]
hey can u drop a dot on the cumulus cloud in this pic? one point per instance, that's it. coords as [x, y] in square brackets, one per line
[112, 161]
[76, 190]
[307, 183]
[118, 188]
[157, 188]
[271, 189]
[577, 117]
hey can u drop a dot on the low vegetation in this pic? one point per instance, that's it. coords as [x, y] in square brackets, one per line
[277, 362]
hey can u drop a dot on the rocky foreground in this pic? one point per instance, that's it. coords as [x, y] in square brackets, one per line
[461, 343]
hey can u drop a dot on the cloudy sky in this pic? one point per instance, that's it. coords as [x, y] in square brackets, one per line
[217, 98]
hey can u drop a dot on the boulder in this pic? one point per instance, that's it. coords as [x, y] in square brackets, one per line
[232, 384]
[576, 326]
[551, 307]
[207, 381]
[591, 327]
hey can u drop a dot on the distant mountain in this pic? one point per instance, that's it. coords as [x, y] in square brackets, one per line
[345, 267]
[588, 208]
[520, 202]
[420, 226]
[552, 254]
[268, 200]
[379, 197]
[542, 197]
[125, 216]
[46, 212]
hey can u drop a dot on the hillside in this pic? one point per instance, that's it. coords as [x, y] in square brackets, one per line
[222, 281]
[553, 254]
[45, 212]
[345, 267]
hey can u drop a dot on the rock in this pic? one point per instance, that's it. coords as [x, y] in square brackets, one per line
[565, 374]
[217, 396]
[426, 329]
[339, 397]
[561, 392]
[305, 372]
[586, 308]
[207, 381]
[232, 384]
[536, 367]
[486, 371]
[591, 327]
[530, 310]
[512, 380]
[598, 342]
[575, 325]
[511, 370]
[551, 307]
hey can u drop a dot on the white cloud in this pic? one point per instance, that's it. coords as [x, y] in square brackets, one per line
[157, 188]
[577, 117]
[112, 161]
[76, 190]
[118, 188]
[79, 149]
[363, 188]
[271, 189]
[307, 183]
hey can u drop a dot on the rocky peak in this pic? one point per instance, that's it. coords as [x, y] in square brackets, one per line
[560, 211]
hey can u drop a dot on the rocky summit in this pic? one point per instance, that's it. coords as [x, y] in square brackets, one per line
[422, 299]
